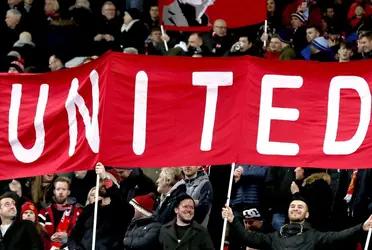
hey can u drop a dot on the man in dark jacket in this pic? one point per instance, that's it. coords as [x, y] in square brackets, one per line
[16, 235]
[199, 188]
[143, 231]
[298, 234]
[114, 215]
[183, 232]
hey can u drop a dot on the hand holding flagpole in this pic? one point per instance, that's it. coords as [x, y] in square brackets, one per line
[163, 34]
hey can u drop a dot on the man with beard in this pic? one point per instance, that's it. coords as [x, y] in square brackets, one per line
[59, 218]
[298, 234]
[183, 232]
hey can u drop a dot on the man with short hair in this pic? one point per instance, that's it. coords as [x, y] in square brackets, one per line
[55, 63]
[365, 45]
[345, 52]
[194, 45]
[312, 32]
[243, 47]
[11, 30]
[183, 232]
[274, 49]
[199, 188]
[107, 29]
[16, 234]
[152, 19]
[219, 41]
[154, 45]
[59, 218]
[298, 234]
[13, 18]
[283, 42]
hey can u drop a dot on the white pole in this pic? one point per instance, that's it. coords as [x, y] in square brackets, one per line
[227, 203]
[265, 31]
[163, 33]
[96, 192]
[368, 239]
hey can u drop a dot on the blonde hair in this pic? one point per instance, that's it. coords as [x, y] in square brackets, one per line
[170, 176]
[93, 189]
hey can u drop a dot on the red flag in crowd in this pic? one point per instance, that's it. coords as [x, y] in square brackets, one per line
[198, 15]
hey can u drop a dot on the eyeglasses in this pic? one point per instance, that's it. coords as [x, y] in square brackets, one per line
[9, 204]
[220, 27]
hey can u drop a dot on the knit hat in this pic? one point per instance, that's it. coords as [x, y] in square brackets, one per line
[18, 65]
[144, 203]
[181, 198]
[284, 36]
[320, 43]
[252, 213]
[29, 206]
[300, 16]
[134, 13]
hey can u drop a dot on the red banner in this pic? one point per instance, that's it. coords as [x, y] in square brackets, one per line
[142, 111]
[198, 15]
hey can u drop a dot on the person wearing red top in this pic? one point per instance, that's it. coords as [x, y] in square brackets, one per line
[59, 218]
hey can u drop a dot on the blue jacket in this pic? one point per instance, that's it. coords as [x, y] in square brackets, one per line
[249, 189]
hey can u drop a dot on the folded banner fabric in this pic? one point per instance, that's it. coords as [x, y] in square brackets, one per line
[198, 15]
[143, 111]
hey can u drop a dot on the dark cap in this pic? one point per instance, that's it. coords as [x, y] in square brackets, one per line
[252, 213]
[183, 197]
[299, 197]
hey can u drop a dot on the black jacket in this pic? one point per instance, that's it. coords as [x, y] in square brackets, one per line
[112, 221]
[165, 210]
[135, 36]
[21, 235]
[195, 238]
[309, 239]
[142, 234]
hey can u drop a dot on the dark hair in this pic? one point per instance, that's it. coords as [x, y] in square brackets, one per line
[347, 45]
[366, 34]
[157, 28]
[9, 194]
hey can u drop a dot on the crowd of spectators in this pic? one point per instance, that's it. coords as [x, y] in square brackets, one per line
[179, 208]
[183, 205]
